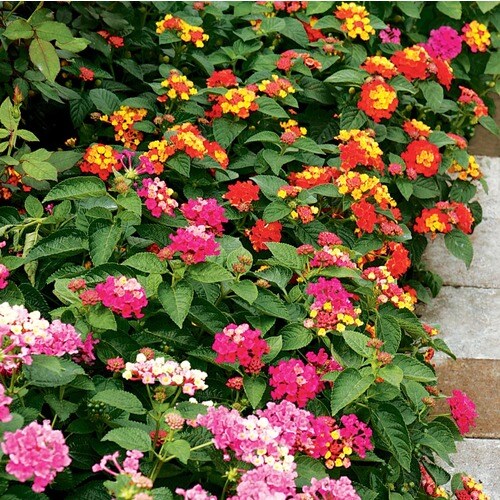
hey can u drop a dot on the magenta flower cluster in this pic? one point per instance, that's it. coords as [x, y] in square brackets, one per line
[331, 489]
[204, 212]
[444, 42]
[124, 296]
[239, 343]
[166, 372]
[5, 401]
[36, 452]
[194, 243]
[390, 35]
[4, 274]
[158, 197]
[463, 411]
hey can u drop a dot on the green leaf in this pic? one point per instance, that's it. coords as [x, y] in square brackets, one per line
[180, 449]
[275, 160]
[209, 272]
[276, 210]
[459, 245]
[49, 371]
[295, 31]
[12, 295]
[286, 255]
[352, 118]
[146, 262]
[264, 136]
[62, 408]
[33, 207]
[439, 439]
[389, 424]
[349, 386]
[271, 305]
[225, 130]
[77, 188]
[414, 369]
[348, 77]
[411, 9]
[433, 94]
[246, 290]
[392, 374]
[308, 468]
[450, 9]
[18, 29]
[270, 107]
[27, 135]
[176, 300]
[52, 30]
[489, 124]
[306, 144]
[102, 318]
[103, 238]
[486, 7]
[123, 400]
[439, 139]
[295, 336]
[389, 331]
[129, 438]
[254, 389]
[39, 170]
[74, 45]
[62, 243]
[104, 100]
[405, 187]
[180, 163]
[357, 342]
[44, 56]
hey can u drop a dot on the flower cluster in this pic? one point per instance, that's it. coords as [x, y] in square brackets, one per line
[444, 42]
[330, 253]
[443, 217]
[5, 401]
[194, 243]
[463, 411]
[158, 197]
[416, 129]
[241, 195]
[422, 157]
[290, 57]
[276, 87]
[36, 452]
[179, 87]
[124, 296]
[241, 344]
[311, 176]
[359, 148]
[195, 493]
[112, 40]
[223, 78]
[471, 172]
[378, 99]
[86, 74]
[291, 131]
[101, 160]
[204, 212]
[185, 31]
[468, 96]
[429, 485]
[332, 309]
[387, 289]
[390, 35]
[331, 489]
[379, 66]
[356, 20]
[12, 180]
[4, 274]
[472, 490]
[263, 232]
[166, 372]
[238, 102]
[123, 123]
[476, 36]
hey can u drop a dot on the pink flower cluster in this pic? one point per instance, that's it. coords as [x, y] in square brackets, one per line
[331, 489]
[166, 372]
[158, 197]
[194, 243]
[124, 296]
[444, 42]
[330, 254]
[4, 274]
[332, 308]
[23, 334]
[238, 343]
[204, 212]
[463, 411]
[195, 493]
[390, 35]
[36, 452]
[5, 401]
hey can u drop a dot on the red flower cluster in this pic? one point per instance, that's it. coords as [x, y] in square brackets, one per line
[241, 195]
[468, 96]
[378, 99]
[443, 217]
[86, 74]
[422, 157]
[224, 78]
[238, 343]
[113, 40]
[290, 57]
[399, 261]
[416, 129]
[100, 159]
[463, 411]
[379, 65]
[263, 232]
[359, 148]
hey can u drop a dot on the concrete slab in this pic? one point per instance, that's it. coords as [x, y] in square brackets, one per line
[484, 271]
[491, 201]
[469, 319]
[480, 380]
[479, 458]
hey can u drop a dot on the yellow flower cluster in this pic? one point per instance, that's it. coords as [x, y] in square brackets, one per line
[382, 97]
[179, 86]
[477, 36]
[356, 20]
[356, 184]
[239, 102]
[435, 224]
[185, 31]
[472, 170]
[123, 121]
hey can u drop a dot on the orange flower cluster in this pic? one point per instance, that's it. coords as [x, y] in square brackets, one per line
[472, 171]
[398, 260]
[359, 148]
[311, 176]
[13, 180]
[179, 87]
[378, 99]
[422, 157]
[239, 102]
[443, 218]
[276, 87]
[241, 195]
[123, 123]
[262, 233]
[356, 20]
[305, 213]
[417, 129]
[101, 160]
[187, 138]
[380, 66]
[185, 31]
[476, 36]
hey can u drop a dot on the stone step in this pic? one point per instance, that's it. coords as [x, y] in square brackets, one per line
[469, 319]
[480, 380]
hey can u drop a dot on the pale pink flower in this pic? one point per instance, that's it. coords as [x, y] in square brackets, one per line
[5, 401]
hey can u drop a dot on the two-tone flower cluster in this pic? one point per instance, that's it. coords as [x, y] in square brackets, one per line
[359, 148]
[123, 124]
[158, 197]
[167, 372]
[101, 160]
[185, 31]
[443, 217]
[330, 253]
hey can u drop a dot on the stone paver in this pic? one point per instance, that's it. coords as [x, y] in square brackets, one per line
[469, 319]
[491, 201]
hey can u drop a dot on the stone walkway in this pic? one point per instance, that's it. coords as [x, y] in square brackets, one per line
[468, 312]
